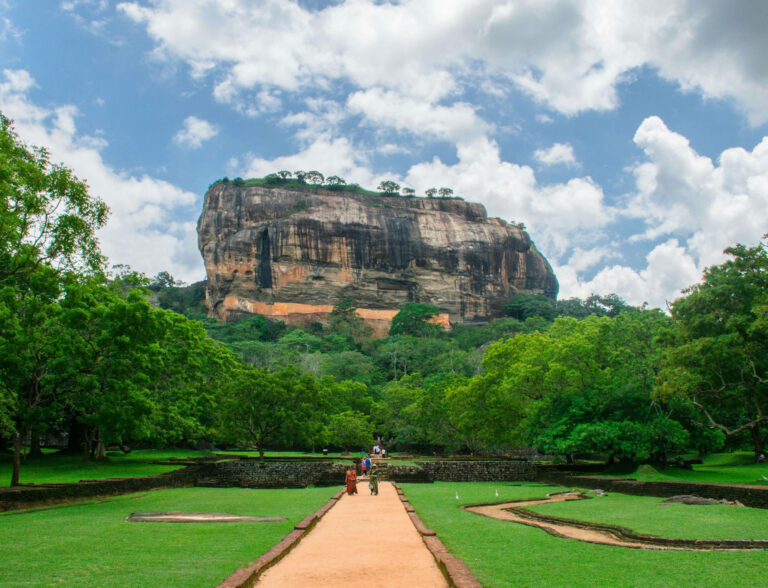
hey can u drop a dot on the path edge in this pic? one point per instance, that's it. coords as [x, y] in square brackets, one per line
[453, 568]
[622, 533]
[248, 576]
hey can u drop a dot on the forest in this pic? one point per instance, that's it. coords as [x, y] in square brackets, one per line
[107, 357]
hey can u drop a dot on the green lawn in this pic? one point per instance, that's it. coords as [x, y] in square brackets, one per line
[507, 554]
[722, 468]
[650, 516]
[57, 468]
[90, 544]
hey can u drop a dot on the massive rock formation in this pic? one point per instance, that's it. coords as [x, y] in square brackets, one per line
[294, 254]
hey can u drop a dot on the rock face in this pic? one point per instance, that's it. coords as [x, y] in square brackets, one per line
[294, 254]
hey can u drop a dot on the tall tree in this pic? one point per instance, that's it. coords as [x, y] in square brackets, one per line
[116, 357]
[718, 355]
[264, 409]
[47, 216]
[48, 222]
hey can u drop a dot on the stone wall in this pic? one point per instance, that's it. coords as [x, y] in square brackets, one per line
[478, 471]
[754, 496]
[248, 473]
[18, 497]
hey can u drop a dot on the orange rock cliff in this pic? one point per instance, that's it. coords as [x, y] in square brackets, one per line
[293, 254]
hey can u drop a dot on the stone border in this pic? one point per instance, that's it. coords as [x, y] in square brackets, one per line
[454, 569]
[621, 533]
[248, 576]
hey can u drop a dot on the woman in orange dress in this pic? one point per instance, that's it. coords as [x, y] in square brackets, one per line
[351, 482]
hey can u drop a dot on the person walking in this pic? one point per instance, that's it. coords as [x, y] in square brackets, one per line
[351, 482]
[364, 465]
[367, 463]
[374, 480]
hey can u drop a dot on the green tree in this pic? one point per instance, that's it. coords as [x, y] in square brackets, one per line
[344, 320]
[47, 216]
[335, 181]
[718, 353]
[394, 419]
[314, 177]
[609, 305]
[116, 357]
[389, 187]
[301, 341]
[349, 365]
[349, 430]
[430, 192]
[32, 343]
[445, 192]
[414, 319]
[523, 306]
[48, 222]
[265, 409]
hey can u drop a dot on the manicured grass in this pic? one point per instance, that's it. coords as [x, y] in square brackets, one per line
[507, 554]
[90, 544]
[58, 468]
[723, 468]
[649, 515]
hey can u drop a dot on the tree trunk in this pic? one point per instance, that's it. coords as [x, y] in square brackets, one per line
[17, 439]
[34, 446]
[76, 439]
[101, 450]
[757, 441]
[86, 445]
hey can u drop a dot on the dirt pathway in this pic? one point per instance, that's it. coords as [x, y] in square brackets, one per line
[363, 539]
[601, 534]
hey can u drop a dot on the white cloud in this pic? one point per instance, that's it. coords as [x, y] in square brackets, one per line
[583, 259]
[681, 193]
[194, 132]
[698, 206]
[7, 29]
[556, 214]
[457, 122]
[568, 54]
[558, 153]
[141, 231]
[669, 269]
[338, 157]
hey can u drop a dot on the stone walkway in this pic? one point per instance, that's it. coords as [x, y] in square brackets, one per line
[363, 539]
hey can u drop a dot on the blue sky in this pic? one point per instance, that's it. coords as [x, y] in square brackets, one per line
[629, 137]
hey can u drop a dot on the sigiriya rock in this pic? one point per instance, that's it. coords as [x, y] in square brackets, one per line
[292, 253]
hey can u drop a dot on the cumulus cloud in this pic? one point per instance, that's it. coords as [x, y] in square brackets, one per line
[457, 122]
[141, 230]
[694, 206]
[568, 54]
[194, 132]
[556, 213]
[332, 156]
[669, 269]
[684, 194]
[558, 153]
